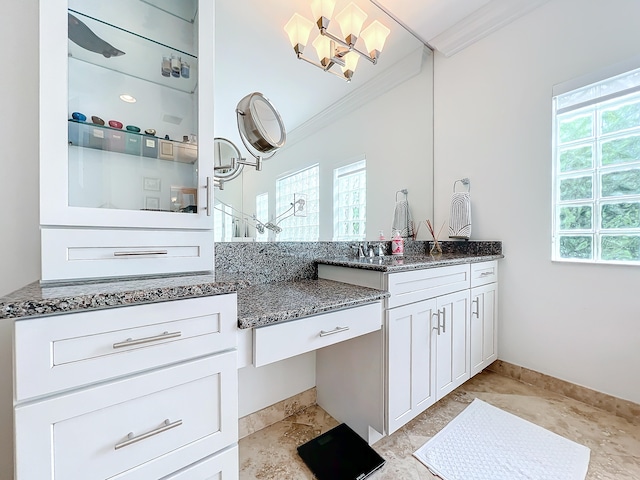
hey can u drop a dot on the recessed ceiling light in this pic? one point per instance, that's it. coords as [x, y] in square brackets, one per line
[127, 98]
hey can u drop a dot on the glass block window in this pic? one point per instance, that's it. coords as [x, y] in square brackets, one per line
[299, 225]
[596, 172]
[349, 201]
[262, 214]
[222, 222]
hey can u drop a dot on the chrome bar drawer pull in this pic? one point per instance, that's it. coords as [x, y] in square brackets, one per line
[140, 253]
[324, 333]
[167, 425]
[130, 341]
[444, 319]
[486, 274]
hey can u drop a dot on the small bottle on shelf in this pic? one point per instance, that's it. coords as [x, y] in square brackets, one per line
[175, 66]
[166, 66]
[184, 69]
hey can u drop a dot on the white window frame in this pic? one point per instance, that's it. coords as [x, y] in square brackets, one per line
[591, 95]
[357, 168]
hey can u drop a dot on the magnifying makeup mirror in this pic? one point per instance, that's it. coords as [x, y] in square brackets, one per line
[260, 126]
[262, 132]
[226, 159]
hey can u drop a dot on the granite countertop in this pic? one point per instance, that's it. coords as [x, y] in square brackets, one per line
[271, 303]
[391, 263]
[36, 299]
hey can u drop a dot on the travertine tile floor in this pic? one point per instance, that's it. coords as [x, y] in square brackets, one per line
[270, 454]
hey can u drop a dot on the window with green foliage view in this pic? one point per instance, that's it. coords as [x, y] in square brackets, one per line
[596, 172]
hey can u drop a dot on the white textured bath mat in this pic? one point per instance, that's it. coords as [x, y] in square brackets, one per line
[486, 443]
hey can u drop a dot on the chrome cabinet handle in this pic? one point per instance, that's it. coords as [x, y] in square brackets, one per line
[477, 302]
[437, 327]
[324, 333]
[444, 319]
[140, 253]
[130, 341]
[486, 274]
[167, 425]
[209, 188]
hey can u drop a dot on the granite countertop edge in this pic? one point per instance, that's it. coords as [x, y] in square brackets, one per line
[36, 300]
[406, 263]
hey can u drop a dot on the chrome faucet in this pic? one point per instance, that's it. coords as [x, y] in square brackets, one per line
[361, 249]
[381, 250]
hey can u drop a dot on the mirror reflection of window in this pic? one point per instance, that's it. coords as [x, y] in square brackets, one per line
[299, 228]
[350, 201]
[222, 222]
[262, 214]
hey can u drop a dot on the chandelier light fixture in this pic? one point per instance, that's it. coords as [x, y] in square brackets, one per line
[333, 50]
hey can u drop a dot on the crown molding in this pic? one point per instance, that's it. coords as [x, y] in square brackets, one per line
[484, 21]
[396, 74]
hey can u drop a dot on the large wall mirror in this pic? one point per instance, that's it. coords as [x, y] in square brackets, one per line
[350, 145]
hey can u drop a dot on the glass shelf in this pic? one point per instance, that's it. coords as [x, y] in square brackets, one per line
[142, 56]
[103, 137]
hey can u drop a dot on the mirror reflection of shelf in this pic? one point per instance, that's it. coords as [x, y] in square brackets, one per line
[142, 58]
[102, 137]
[184, 9]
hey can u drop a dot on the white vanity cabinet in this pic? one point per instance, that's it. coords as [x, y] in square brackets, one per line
[134, 392]
[484, 315]
[114, 200]
[429, 332]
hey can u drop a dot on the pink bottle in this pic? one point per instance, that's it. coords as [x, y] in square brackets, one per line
[397, 244]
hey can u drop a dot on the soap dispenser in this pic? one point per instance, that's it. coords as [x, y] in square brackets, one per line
[397, 243]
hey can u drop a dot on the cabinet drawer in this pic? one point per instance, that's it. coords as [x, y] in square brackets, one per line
[283, 340]
[77, 254]
[417, 285]
[222, 466]
[483, 273]
[137, 428]
[61, 352]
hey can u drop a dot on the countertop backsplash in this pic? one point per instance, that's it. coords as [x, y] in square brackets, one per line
[266, 262]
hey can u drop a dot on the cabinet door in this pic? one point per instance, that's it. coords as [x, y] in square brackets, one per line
[452, 342]
[410, 348]
[98, 166]
[484, 323]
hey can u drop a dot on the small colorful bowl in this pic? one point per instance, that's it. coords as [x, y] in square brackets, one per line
[80, 117]
[133, 128]
[97, 120]
[150, 131]
[115, 124]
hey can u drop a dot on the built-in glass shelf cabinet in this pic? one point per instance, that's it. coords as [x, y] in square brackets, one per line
[126, 176]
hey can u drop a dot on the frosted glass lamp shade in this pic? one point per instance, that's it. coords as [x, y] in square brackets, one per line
[322, 8]
[322, 44]
[374, 37]
[350, 62]
[298, 28]
[351, 20]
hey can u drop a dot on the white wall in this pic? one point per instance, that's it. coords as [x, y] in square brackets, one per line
[20, 238]
[493, 124]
